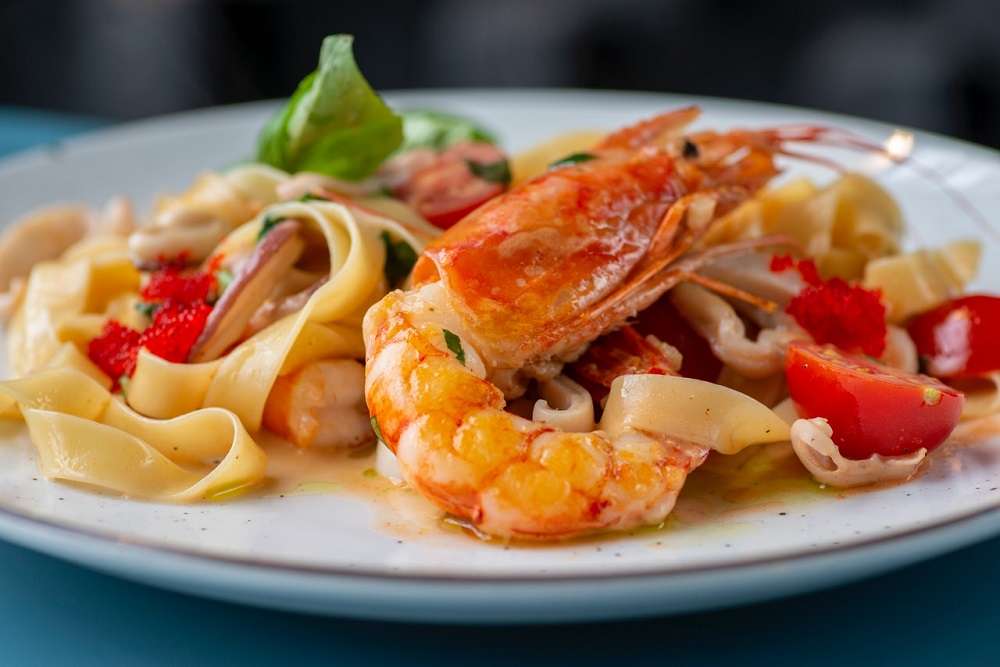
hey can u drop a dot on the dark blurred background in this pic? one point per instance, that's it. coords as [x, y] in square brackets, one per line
[933, 64]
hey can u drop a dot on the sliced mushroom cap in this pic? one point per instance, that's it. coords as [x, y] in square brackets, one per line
[274, 309]
[273, 256]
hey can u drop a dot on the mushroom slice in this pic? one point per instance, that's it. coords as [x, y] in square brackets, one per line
[812, 441]
[274, 309]
[273, 256]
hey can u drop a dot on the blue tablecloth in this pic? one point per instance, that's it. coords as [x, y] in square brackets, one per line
[941, 612]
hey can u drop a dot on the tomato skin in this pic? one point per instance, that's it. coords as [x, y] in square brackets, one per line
[441, 186]
[873, 409]
[958, 339]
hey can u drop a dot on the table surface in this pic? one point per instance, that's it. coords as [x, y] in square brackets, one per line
[942, 611]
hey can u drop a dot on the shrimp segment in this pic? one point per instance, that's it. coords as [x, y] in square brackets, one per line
[523, 285]
[509, 475]
[320, 404]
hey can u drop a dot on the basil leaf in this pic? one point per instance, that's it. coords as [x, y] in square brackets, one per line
[573, 158]
[146, 308]
[223, 279]
[267, 225]
[399, 260]
[454, 344]
[334, 123]
[494, 172]
[437, 130]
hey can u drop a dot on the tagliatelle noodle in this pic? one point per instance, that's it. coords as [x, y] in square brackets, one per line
[84, 434]
[918, 281]
[221, 400]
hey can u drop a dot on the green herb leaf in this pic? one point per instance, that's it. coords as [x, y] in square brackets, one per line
[454, 344]
[223, 279]
[123, 382]
[146, 308]
[378, 431]
[334, 123]
[437, 130]
[494, 172]
[267, 225]
[311, 197]
[399, 260]
[573, 158]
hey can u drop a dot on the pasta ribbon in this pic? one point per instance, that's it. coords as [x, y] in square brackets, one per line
[182, 433]
[844, 225]
[84, 435]
[535, 161]
[692, 410]
[918, 281]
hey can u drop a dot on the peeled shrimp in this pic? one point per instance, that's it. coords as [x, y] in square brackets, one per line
[321, 404]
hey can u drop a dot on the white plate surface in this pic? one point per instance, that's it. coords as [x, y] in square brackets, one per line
[326, 547]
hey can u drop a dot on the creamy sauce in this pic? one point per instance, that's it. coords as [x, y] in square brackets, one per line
[766, 478]
[399, 510]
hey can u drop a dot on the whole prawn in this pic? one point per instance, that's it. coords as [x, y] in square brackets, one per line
[523, 285]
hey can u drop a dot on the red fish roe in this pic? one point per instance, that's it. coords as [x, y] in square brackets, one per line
[182, 309]
[175, 329]
[171, 283]
[114, 350]
[835, 311]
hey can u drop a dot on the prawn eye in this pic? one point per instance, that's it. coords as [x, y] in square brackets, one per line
[690, 149]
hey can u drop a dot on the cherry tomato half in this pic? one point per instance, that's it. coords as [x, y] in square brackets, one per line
[958, 339]
[873, 409]
[444, 188]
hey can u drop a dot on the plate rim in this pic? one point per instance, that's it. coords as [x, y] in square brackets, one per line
[276, 566]
[55, 150]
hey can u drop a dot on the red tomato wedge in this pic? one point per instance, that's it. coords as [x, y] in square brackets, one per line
[443, 188]
[873, 409]
[959, 339]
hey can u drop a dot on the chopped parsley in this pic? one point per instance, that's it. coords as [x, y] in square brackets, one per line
[378, 431]
[454, 344]
[573, 158]
[147, 308]
[270, 221]
[223, 279]
[312, 197]
[494, 172]
[399, 260]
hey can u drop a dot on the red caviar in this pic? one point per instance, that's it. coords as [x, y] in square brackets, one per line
[835, 311]
[178, 321]
[114, 349]
[171, 283]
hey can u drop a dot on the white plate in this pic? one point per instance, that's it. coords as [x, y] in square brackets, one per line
[329, 549]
